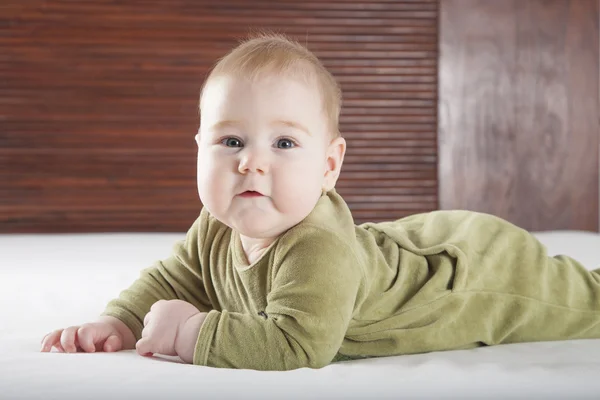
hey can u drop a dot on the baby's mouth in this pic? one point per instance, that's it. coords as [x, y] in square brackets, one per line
[250, 193]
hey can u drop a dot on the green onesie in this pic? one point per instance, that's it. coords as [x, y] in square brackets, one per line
[328, 290]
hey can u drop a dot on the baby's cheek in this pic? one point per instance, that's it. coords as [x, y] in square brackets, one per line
[299, 197]
[208, 191]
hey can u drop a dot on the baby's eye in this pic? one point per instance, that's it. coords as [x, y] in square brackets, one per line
[285, 144]
[232, 142]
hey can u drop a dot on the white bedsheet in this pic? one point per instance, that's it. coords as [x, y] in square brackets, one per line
[52, 281]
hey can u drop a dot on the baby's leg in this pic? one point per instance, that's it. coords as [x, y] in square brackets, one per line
[532, 297]
[490, 283]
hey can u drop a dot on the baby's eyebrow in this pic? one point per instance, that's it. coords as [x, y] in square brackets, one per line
[236, 124]
[291, 124]
[225, 124]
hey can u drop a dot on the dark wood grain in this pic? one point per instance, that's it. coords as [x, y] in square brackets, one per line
[98, 104]
[519, 111]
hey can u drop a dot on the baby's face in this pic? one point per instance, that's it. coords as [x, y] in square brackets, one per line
[261, 153]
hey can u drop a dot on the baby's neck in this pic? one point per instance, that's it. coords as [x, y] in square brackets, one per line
[255, 247]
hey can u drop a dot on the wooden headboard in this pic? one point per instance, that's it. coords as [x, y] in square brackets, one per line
[471, 104]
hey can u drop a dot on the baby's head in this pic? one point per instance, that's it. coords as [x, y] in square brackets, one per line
[268, 143]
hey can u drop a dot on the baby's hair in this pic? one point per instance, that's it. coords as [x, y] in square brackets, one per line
[266, 53]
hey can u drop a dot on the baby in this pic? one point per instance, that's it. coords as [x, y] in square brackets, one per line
[275, 275]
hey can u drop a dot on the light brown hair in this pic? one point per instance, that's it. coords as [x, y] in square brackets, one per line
[269, 53]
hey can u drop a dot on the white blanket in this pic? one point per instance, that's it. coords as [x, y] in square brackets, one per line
[53, 281]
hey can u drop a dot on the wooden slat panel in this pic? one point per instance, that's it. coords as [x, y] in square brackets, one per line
[125, 136]
[155, 165]
[98, 104]
[36, 220]
[519, 111]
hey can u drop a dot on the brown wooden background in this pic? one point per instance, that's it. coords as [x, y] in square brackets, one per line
[98, 106]
[519, 110]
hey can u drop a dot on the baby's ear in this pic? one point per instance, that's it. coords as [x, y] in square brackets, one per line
[335, 158]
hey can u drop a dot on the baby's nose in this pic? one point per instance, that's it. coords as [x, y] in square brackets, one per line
[254, 162]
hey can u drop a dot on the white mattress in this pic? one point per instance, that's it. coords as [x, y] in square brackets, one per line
[52, 281]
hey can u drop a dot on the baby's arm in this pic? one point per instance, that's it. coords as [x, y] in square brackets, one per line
[309, 307]
[185, 344]
[179, 277]
[120, 325]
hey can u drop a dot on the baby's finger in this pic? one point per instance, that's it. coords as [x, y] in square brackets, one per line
[85, 338]
[113, 343]
[50, 339]
[59, 347]
[157, 304]
[147, 319]
[143, 347]
[67, 339]
[145, 331]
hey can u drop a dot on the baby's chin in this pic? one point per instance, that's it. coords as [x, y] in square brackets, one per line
[261, 226]
[259, 223]
[260, 230]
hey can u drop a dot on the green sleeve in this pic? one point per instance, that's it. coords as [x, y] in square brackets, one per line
[177, 277]
[308, 311]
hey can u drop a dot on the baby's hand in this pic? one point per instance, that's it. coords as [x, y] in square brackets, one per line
[162, 325]
[102, 335]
